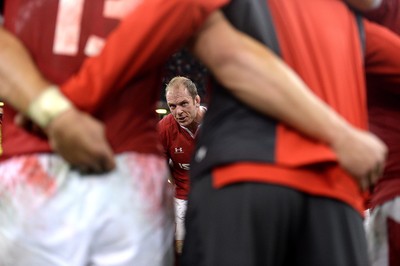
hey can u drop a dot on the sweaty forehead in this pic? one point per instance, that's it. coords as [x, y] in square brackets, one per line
[177, 94]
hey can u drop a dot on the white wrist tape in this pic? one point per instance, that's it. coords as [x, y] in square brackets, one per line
[48, 105]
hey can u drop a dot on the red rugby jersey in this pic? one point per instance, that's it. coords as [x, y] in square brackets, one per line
[178, 143]
[122, 86]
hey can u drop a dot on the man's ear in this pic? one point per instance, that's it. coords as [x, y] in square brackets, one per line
[197, 100]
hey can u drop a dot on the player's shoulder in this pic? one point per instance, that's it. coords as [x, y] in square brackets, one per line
[166, 122]
[169, 118]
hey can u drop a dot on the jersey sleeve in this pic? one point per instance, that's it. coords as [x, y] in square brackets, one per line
[143, 41]
[381, 62]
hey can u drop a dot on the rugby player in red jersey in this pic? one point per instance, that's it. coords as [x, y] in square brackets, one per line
[178, 131]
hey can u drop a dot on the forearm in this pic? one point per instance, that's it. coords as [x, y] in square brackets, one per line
[260, 79]
[21, 82]
[23, 87]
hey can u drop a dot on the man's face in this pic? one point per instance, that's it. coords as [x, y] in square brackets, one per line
[182, 106]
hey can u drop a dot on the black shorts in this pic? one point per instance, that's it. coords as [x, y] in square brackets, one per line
[248, 224]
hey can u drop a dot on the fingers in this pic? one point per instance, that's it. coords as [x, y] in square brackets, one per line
[104, 163]
[102, 160]
[372, 177]
[368, 181]
[83, 145]
[363, 156]
[108, 162]
[99, 165]
[94, 161]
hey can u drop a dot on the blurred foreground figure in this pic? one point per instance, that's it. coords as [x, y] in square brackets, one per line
[262, 192]
[383, 224]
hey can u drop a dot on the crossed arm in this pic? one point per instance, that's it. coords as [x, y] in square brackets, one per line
[240, 63]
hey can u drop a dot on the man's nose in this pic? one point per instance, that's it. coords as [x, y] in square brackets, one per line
[179, 109]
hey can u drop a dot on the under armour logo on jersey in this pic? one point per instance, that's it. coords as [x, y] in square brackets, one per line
[179, 150]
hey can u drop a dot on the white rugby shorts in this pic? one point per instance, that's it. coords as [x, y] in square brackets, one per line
[51, 215]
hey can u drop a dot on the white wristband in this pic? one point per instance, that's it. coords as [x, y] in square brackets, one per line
[48, 105]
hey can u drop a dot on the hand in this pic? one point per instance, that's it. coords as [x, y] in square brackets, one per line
[81, 140]
[362, 155]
